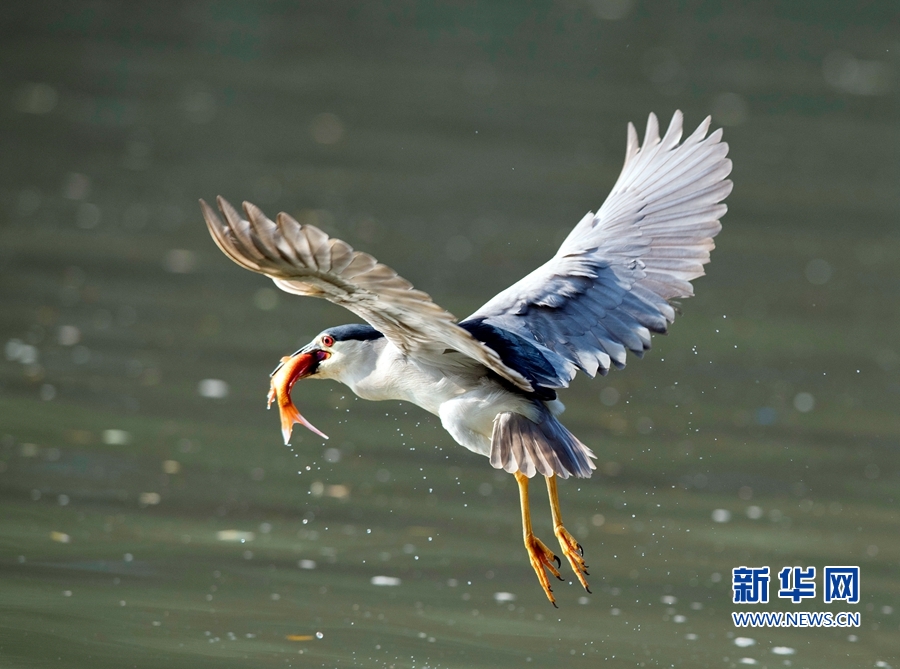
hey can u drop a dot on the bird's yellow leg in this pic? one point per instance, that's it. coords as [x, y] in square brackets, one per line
[541, 557]
[570, 548]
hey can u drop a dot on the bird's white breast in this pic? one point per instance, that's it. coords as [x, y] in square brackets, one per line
[391, 375]
[465, 399]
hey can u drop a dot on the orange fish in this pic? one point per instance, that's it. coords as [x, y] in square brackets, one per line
[292, 369]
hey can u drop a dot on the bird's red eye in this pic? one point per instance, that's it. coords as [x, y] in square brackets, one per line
[328, 340]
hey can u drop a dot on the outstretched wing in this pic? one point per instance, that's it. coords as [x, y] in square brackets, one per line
[609, 284]
[302, 259]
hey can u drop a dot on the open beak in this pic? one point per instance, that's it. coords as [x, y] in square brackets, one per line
[292, 369]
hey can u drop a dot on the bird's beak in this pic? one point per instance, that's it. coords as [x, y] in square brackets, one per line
[292, 369]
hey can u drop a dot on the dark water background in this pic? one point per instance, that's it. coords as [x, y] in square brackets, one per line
[150, 517]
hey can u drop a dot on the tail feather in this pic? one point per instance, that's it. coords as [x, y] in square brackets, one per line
[546, 447]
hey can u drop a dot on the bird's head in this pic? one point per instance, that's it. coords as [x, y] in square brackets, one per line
[336, 353]
[342, 353]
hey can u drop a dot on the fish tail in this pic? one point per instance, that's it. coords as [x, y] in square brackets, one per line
[289, 416]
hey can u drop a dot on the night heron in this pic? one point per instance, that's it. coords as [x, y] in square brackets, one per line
[492, 379]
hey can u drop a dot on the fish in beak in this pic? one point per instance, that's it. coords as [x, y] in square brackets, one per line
[292, 369]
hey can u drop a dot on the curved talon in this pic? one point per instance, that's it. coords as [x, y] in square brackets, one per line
[570, 548]
[558, 561]
[589, 590]
[542, 559]
[574, 554]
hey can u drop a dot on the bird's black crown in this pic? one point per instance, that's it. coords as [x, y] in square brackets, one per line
[355, 331]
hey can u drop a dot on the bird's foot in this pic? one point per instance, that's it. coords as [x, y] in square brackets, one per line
[574, 554]
[542, 558]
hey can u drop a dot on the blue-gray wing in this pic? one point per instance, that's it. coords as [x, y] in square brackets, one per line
[609, 284]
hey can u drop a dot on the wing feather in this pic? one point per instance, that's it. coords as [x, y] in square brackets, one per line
[297, 239]
[302, 259]
[609, 284]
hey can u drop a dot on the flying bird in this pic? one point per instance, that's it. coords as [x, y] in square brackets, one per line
[493, 378]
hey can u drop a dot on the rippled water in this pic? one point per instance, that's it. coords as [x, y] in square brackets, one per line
[149, 515]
